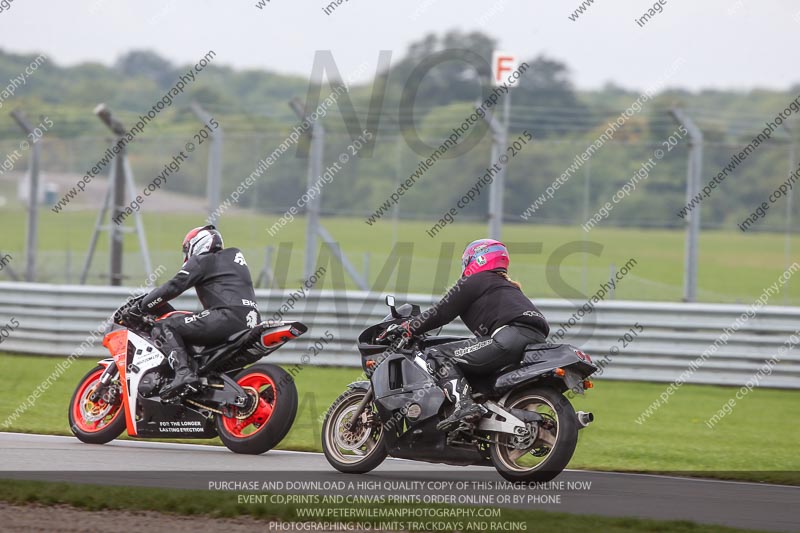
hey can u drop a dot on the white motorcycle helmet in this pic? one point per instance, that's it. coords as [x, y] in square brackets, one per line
[201, 240]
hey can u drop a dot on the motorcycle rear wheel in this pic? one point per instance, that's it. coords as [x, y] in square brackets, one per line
[94, 422]
[352, 452]
[555, 442]
[273, 416]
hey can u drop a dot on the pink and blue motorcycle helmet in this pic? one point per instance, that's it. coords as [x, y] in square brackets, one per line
[484, 254]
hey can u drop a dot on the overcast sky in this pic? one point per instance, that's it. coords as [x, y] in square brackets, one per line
[724, 43]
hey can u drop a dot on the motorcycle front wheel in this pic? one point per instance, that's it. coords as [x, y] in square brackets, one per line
[547, 455]
[267, 422]
[95, 422]
[357, 451]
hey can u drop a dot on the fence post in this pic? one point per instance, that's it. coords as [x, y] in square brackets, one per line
[313, 226]
[787, 232]
[317, 138]
[499, 141]
[214, 163]
[693, 175]
[32, 235]
[120, 183]
[612, 275]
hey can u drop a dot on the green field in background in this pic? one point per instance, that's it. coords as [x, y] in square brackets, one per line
[734, 267]
[755, 442]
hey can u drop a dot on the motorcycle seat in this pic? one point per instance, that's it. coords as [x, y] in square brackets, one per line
[535, 353]
[540, 346]
[529, 348]
[231, 342]
[504, 369]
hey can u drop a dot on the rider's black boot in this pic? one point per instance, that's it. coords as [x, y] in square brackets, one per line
[185, 374]
[466, 409]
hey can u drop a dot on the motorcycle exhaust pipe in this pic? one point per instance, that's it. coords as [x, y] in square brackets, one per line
[584, 418]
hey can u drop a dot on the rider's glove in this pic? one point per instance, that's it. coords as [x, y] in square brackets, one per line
[405, 329]
[136, 310]
[396, 331]
[134, 314]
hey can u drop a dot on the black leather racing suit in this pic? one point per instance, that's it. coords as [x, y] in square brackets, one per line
[225, 289]
[500, 316]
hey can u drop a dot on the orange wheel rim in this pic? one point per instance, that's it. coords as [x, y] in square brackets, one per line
[89, 416]
[267, 396]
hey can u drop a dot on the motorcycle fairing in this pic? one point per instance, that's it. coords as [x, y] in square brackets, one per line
[172, 421]
[173, 313]
[426, 443]
[134, 356]
[405, 392]
[427, 342]
[359, 385]
[117, 344]
[540, 359]
[150, 417]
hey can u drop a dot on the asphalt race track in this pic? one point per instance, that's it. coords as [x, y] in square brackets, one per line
[150, 464]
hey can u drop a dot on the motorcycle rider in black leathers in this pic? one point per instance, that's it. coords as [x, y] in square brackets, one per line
[500, 316]
[225, 289]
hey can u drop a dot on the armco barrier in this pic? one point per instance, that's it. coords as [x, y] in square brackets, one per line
[55, 319]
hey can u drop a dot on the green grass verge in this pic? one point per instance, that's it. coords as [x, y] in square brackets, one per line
[752, 443]
[219, 504]
[725, 274]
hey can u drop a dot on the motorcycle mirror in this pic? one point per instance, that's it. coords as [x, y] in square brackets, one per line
[390, 302]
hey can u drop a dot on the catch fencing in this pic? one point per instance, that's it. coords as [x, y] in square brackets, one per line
[642, 341]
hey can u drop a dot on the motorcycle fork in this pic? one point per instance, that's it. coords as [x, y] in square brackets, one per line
[360, 409]
[106, 377]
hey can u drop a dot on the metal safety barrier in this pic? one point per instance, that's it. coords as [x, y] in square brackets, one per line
[664, 341]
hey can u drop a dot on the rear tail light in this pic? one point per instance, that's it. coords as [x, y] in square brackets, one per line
[273, 339]
[583, 355]
[280, 336]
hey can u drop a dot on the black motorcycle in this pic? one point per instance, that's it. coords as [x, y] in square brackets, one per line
[529, 432]
[251, 407]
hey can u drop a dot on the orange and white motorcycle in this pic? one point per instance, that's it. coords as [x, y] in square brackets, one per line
[251, 406]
